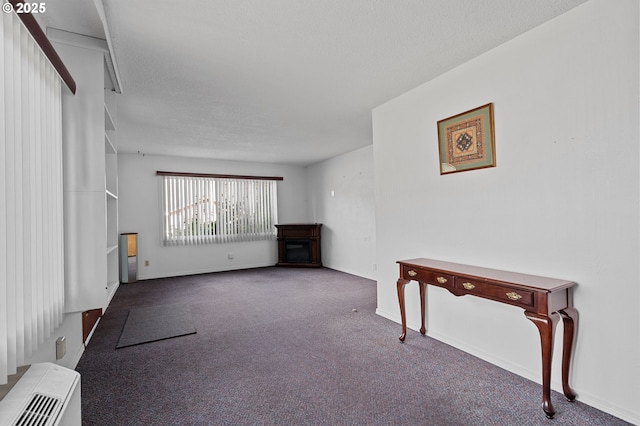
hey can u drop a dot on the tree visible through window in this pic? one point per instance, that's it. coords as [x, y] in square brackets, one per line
[203, 210]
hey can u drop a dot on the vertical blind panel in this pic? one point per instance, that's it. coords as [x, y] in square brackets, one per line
[3, 210]
[21, 103]
[18, 243]
[34, 299]
[5, 93]
[22, 61]
[31, 209]
[12, 84]
[58, 172]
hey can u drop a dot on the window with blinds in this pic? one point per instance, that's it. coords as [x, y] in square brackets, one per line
[205, 210]
[31, 211]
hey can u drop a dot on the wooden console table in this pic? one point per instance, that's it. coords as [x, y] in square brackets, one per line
[544, 300]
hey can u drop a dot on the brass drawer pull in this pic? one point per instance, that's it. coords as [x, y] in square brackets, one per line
[468, 286]
[441, 280]
[412, 273]
[514, 296]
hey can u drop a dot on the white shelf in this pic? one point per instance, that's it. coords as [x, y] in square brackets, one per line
[111, 194]
[108, 120]
[109, 148]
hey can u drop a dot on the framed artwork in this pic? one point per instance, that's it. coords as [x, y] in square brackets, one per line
[466, 141]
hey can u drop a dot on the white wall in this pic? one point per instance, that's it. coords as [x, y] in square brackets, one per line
[341, 198]
[562, 202]
[71, 330]
[139, 211]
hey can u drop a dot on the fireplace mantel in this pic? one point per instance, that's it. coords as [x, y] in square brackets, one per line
[299, 245]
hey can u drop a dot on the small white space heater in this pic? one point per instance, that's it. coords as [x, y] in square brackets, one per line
[46, 395]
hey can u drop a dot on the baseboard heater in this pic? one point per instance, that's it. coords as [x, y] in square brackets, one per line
[46, 395]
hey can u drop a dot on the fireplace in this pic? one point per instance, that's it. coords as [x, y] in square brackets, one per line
[297, 251]
[299, 245]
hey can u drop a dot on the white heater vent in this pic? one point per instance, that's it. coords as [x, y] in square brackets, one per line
[41, 410]
[45, 395]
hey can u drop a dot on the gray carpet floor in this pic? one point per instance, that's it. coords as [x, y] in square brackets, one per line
[289, 346]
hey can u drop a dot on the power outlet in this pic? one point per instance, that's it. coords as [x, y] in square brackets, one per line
[146, 263]
[229, 255]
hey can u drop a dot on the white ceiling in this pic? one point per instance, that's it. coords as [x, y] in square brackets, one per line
[286, 81]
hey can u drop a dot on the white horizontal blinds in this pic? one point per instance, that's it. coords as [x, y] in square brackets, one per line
[203, 210]
[31, 213]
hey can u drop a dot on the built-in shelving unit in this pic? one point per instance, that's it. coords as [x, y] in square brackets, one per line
[111, 193]
[90, 179]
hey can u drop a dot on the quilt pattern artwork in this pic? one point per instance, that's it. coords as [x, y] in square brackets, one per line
[466, 140]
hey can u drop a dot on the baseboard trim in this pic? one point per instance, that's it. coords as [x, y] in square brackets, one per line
[76, 358]
[203, 271]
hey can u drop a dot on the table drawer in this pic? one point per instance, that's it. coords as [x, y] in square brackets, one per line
[425, 276]
[494, 291]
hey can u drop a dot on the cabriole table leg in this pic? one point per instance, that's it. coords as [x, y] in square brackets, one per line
[569, 319]
[546, 327]
[423, 329]
[400, 284]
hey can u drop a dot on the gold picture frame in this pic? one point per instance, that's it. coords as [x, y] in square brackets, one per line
[466, 141]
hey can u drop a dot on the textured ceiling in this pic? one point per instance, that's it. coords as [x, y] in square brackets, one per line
[288, 81]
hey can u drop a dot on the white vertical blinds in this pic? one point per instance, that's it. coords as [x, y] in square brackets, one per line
[203, 210]
[31, 214]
